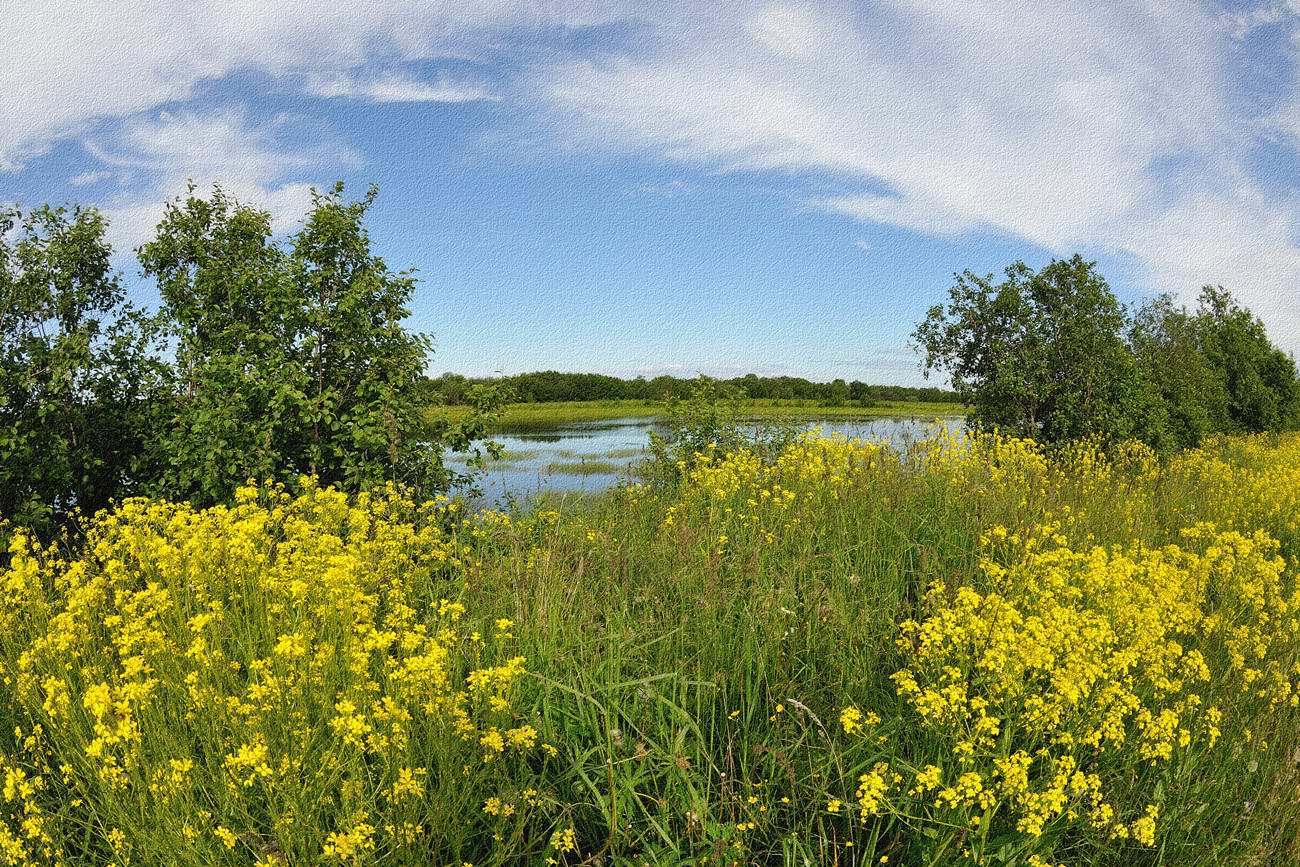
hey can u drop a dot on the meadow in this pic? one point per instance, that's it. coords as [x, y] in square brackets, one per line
[541, 416]
[980, 651]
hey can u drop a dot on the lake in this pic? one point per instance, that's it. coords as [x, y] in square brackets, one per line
[587, 457]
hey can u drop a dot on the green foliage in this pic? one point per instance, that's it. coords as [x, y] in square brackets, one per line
[1054, 355]
[1214, 370]
[293, 358]
[1040, 353]
[235, 319]
[268, 359]
[362, 368]
[468, 435]
[1166, 340]
[1258, 378]
[837, 393]
[551, 386]
[79, 389]
[705, 425]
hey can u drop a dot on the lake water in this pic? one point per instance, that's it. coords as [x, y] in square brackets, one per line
[587, 457]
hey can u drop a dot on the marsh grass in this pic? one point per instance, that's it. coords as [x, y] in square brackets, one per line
[593, 467]
[606, 454]
[689, 652]
[527, 417]
[516, 456]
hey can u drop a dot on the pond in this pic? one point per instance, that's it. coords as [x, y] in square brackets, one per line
[587, 457]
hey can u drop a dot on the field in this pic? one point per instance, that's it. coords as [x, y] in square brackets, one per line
[525, 416]
[975, 653]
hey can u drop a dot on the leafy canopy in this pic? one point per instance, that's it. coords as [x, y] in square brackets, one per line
[1053, 355]
[79, 387]
[269, 358]
[293, 356]
[1038, 353]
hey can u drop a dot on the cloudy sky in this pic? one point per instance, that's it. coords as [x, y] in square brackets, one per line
[647, 187]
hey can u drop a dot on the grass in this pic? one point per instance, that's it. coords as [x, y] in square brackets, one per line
[608, 454]
[585, 468]
[1098, 654]
[516, 456]
[534, 416]
[629, 452]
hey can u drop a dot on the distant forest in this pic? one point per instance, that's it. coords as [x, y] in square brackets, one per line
[549, 386]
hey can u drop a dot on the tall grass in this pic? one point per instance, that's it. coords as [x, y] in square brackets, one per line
[546, 416]
[974, 652]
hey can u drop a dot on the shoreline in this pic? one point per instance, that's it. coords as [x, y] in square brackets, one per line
[524, 416]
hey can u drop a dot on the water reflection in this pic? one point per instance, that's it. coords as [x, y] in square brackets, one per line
[588, 457]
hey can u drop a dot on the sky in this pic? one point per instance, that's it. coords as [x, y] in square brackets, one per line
[678, 187]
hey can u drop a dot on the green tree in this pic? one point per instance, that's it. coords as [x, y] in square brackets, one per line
[837, 393]
[860, 393]
[705, 423]
[292, 357]
[1259, 379]
[1166, 341]
[229, 303]
[1040, 354]
[363, 369]
[80, 389]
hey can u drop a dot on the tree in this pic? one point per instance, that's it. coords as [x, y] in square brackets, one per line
[837, 393]
[1166, 342]
[1040, 354]
[362, 368]
[704, 424]
[1259, 379]
[292, 357]
[79, 388]
[232, 309]
[860, 393]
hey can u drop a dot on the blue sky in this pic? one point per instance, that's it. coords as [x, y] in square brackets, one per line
[645, 188]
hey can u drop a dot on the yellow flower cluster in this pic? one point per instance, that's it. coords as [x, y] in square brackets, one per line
[971, 650]
[269, 680]
[1077, 664]
[1049, 694]
[1058, 670]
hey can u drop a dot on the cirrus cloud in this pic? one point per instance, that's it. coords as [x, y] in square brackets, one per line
[1131, 130]
[68, 65]
[1117, 128]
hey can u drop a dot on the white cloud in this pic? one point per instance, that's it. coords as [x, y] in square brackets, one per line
[863, 244]
[85, 179]
[1056, 123]
[1240, 239]
[67, 65]
[252, 162]
[1051, 121]
[395, 86]
[1241, 22]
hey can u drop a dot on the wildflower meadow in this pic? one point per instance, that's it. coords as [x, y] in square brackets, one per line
[977, 650]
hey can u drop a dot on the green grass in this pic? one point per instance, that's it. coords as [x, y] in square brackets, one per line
[608, 454]
[585, 468]
[516, 456]
[629, 452]
[688, 652]
[531, 416]
[670, 653]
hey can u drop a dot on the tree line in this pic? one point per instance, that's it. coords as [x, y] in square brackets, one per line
[550, 386]
[266, 359]
[272, 358]
[1054, 355]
